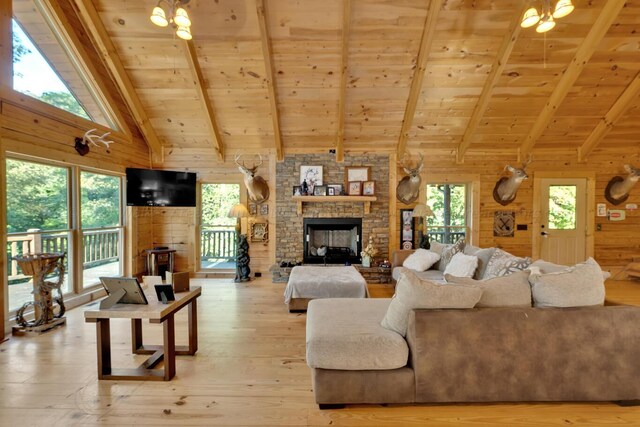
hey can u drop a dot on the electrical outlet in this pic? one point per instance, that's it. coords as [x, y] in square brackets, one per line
[258, 274]
[598, 227]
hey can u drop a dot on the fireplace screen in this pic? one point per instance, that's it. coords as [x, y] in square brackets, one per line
[332, 240]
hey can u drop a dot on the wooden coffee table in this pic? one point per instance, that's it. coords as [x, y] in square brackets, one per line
[156, 312]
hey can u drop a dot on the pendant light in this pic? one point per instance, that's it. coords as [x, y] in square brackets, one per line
[172, 12]
[545, 19]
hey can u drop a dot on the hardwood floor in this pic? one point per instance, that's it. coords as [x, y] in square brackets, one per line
[250, 370]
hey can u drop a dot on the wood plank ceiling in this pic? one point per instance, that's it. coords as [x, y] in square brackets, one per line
[273, 74]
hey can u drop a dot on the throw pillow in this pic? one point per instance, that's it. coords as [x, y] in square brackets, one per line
[446, 251]
[484, 255]
[421, 260]
[579, 286]
[462, 265]
[541, 266]
[503, 263]
[412, 292]
[505, 291]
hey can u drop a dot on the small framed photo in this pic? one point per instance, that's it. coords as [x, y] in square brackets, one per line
[296, 191]
[259, 232]
[355, 188]
[320, 190]
[368, 188]
[357, 173]
[253, 209]
[407, 228]
[337, 189]
[264, 209]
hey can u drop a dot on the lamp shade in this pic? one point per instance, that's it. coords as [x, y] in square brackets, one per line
[546, 23]
[184, 33]
[238, 211]
[421, 211]
[158, 17]
[530, 18]
[182, 18]
[563, 8]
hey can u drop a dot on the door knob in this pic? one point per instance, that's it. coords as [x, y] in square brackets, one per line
[544, 233]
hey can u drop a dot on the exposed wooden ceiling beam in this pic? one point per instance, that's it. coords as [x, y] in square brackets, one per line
[102, 41]
[590, 43]
[6, 48]
[492, 79]
[606, 123]
[416, 82]
[53, 12]
[346, 30]
[198, 80]
[261, 8]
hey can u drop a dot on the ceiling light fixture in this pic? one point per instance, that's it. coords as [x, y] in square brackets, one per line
[545, 19]
[175, 14]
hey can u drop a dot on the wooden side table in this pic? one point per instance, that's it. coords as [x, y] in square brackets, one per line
[374, 274]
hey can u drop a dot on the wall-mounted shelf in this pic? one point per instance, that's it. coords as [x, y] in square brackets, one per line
[366, 200]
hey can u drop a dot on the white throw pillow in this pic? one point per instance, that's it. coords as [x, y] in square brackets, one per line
[578, 286]
[421, 260]
[412, 292]
[504, 291]
[446, 251]
[462, 265]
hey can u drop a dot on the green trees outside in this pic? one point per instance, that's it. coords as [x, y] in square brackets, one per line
[100, 202]
[452, 213]
[217, 200]
[65, 101]
[562, 207]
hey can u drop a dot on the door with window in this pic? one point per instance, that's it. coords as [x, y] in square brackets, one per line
[217, 230]
[563, 220]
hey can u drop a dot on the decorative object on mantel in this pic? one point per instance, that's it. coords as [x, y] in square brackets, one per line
[506, 188]
[239, 211]
[356, 173]
[545, 19]
[257, 187]
[39, 266]
[409, 186]
[310, 176]
[368, 188]
[177, 17]
[366, 201]
[368, 253]
[422, 211]
[355, 188]
[618, 188]
[90, 137]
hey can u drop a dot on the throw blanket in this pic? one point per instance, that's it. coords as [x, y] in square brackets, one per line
[325, 282]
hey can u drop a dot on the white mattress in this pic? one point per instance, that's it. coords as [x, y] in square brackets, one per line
[325, 282]
[346, 334]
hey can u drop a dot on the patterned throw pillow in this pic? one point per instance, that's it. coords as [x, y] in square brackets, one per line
[503, 263]
[448, 252]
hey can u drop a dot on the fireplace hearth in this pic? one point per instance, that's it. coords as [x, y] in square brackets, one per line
[332, 240]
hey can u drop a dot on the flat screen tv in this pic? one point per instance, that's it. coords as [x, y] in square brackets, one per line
[148, 187]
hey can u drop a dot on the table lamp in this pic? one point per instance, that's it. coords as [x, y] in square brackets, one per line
[238, 211]
[422, 211]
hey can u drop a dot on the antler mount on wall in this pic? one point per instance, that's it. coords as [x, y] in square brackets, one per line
[90, 137]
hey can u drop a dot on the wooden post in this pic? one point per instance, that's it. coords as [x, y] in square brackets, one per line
[6, 44]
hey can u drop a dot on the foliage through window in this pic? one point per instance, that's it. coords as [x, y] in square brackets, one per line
[100, 200]
[562, 207]
[449, 205]
[218, 236]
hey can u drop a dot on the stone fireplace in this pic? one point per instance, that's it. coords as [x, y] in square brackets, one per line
[332, 240]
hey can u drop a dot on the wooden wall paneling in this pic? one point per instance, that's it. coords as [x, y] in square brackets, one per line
[606, 123]
[92, 22]
[344, 67]
[53, 11]
[492, 79]
[418, 75]
[6, 44]
[267, 52]
[588, 46]
[205, 100]
[393, 204]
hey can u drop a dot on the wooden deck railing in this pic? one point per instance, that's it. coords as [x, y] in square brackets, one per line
[218, 243]
[446, 234]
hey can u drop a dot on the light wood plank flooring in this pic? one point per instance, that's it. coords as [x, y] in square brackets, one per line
[249, 370]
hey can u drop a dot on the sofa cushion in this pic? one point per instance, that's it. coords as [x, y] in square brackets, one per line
[421, 260]
[461, 265]
[446, 252]
[432, 275]
[412, 292]
[541, 266]
[483, 255]
[504, 291]
[345, 333]
[503, 263]
[577, 286]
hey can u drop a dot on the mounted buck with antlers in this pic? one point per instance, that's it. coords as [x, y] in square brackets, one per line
[618, 188]
[506, 188]
[256, 185]
[409, 186]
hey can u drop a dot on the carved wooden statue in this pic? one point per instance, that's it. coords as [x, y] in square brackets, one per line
[242, 259]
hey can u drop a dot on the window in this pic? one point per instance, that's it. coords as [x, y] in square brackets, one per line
[449, 205]
[562, 207]
[100, 209]
[217, 236]
[37, 221]
[43, 66]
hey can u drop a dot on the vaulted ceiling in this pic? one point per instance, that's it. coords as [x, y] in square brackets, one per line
[445, 76]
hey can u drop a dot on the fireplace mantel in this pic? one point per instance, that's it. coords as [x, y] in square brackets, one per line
[366, 200]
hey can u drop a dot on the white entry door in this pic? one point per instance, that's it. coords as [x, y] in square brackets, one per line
[563, 222]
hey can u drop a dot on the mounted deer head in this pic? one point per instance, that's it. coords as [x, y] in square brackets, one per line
[256, 185]
[618, 188]
[90, 137]
[409, 186]
[506, 188]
